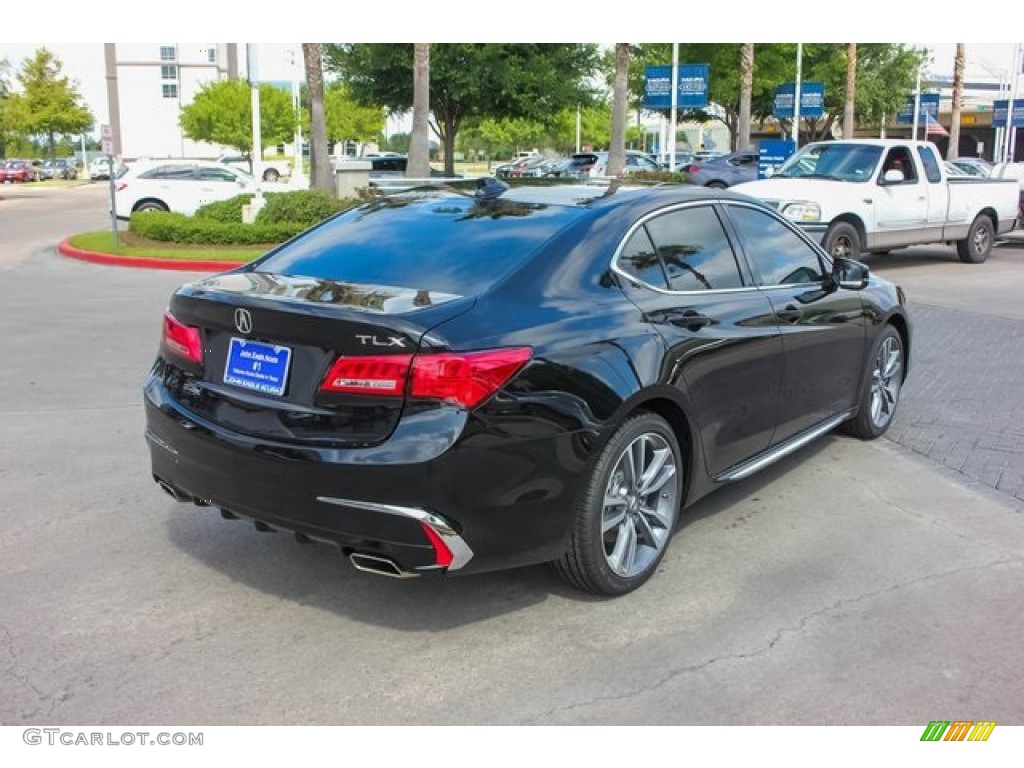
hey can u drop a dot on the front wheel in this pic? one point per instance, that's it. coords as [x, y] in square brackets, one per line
[628, 510]
[882, 393]
[975, 248]
[717, 185]
[271, 175]
[842, 241]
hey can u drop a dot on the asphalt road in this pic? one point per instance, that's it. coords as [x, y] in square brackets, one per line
[859, 583]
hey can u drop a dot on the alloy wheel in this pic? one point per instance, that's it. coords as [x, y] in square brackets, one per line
[886, 379]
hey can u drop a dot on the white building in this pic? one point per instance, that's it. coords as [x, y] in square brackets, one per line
[149, 83]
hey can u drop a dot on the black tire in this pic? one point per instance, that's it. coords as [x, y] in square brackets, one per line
[149, 206]
[976, 247]
[717, 185]
[842, 240]
[271, 174]
[587, 563]
[870, 423]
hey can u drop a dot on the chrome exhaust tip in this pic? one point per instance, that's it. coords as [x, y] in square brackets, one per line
[381, 566]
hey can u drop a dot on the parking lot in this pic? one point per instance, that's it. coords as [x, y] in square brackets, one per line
[854, 583]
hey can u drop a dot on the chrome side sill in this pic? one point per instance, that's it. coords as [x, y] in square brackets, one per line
[795, 443]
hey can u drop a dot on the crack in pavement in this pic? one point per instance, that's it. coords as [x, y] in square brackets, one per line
[23, 679]
[776, 638]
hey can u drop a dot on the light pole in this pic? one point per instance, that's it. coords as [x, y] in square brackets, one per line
[299, 166]
[257, 140]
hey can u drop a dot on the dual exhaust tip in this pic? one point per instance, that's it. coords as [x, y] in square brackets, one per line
[375, 564]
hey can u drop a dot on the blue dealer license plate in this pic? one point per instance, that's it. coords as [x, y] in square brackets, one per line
[257, 366]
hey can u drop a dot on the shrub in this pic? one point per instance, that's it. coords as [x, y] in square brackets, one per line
[178, 228]
[304, 206]
[660, 176]
[228, 211]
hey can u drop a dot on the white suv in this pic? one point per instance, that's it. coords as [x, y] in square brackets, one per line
[181, 186]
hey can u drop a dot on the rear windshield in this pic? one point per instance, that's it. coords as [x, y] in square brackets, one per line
[450, 244]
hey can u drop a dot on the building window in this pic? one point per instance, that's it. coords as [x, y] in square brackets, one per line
[168, 53]
[168, 72]
[211, 55]
[170, 90]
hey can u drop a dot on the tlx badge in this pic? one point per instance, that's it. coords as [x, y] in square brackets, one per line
[373, 341]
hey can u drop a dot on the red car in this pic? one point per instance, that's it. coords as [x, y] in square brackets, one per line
[21, 170]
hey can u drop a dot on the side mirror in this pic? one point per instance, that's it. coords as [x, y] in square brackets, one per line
[850, 274]
[893, 176]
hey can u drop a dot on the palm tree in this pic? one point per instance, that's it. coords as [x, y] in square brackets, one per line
[958, 93]
[319, 162]
[851, 90]
[617, 147]
[746, 93]
[419, 141]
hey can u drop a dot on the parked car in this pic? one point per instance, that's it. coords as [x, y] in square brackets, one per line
[973, 166]
[61, 168]
[181, 186]
[273, 170]
[881, 194]
[680, 163]
[442, 383]
[21, 171]
[99, 168]
[635, 162]
[532, 167]
[505, 170]
[389, 165]
[725, 170]
[1012, 172]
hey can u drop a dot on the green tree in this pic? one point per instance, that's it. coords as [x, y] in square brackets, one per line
[469, 80]
[6, 129]
[221, 113]
[349, 120]
[49, 105]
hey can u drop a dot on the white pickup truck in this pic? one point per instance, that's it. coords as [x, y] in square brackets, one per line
[880, 194]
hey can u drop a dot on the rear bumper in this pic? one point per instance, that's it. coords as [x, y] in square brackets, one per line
[494, 501]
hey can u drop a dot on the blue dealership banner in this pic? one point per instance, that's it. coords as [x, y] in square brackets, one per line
[929, 106]
[772, 154]
[812, 100]
[999, 108]
[692, 88]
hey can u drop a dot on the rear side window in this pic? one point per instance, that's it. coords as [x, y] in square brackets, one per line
[931, 165]
[640, 260]
[454, 245]
[695, 250]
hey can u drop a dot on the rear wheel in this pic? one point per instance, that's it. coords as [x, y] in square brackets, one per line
[882, 393]
[148, 206]
[975, 248]
[271, 174]
[628, 510]
[842, 241]
[717, 185]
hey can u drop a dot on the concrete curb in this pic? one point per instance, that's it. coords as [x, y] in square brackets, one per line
[188, 265]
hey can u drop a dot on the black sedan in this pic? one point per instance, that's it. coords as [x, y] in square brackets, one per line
[443, 382]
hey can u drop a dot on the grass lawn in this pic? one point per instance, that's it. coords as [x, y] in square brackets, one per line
[133, 245]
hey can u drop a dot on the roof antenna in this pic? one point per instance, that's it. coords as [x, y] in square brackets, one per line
[490, 188]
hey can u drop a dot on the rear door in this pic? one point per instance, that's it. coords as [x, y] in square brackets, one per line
[724, 349]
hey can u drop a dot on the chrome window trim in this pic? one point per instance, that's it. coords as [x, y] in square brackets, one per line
[616, 269]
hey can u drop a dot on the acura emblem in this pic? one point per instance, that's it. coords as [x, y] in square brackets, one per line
[243, 320]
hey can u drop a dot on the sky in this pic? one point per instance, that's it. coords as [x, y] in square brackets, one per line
[84, 61]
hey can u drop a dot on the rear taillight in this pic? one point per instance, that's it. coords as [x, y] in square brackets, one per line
[466, 378]
[692, 169]
[182, 340]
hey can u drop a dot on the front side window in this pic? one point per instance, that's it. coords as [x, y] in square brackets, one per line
[899, 159]
[777, 255]
[216, 174]
[695, 250]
